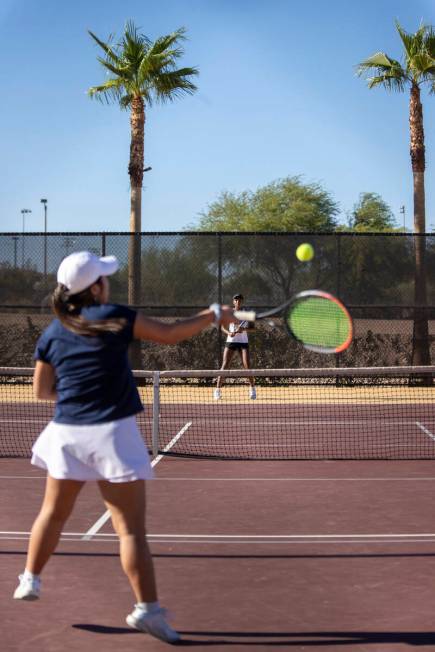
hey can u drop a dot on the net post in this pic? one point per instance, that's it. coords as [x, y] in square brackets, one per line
[156, 413]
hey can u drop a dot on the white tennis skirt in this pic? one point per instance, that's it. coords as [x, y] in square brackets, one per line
[113, 451]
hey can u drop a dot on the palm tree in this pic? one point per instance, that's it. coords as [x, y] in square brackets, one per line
[418, 69]
[141, 72]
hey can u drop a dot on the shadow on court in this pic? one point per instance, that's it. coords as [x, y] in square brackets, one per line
[318, 639]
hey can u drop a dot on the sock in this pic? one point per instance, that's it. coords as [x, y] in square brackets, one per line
[149, 607]
[27, 575]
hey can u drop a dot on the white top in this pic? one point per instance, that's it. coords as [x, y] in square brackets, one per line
[239, 338]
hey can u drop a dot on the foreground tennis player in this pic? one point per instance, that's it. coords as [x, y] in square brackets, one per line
[82, 364]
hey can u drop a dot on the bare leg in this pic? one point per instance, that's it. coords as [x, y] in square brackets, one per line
[228, 356]
[247, 365]
[59, 499]
[126, 502]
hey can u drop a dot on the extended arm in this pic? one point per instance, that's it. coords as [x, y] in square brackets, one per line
[146, 328]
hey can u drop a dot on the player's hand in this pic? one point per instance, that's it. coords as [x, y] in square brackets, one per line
[227, 317]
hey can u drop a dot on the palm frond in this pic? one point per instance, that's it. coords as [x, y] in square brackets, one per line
[110, 52]
[422, 64]
[430, 42]
[107, 92]
[133, 49]
[389, 82]
[131, 32]
[387, 72]
[154, 64]
[410, 41]
[116, 70]
[143, 68]
[164, 43]
[175, 83]
[380, 61]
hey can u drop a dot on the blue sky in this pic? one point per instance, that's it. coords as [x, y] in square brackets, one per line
[277, 96]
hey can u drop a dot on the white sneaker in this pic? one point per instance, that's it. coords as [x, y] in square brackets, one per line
[28, 588]
[154, 624]
[253, 393]
[217, 395]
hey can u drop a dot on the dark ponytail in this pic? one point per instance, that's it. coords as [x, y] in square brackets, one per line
[68, 310]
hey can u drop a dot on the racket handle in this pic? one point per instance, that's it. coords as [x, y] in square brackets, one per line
[245, 315]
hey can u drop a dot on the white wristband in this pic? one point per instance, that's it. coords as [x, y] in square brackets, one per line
[217, 313]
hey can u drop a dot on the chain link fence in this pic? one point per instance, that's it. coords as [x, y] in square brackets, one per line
[181, 273]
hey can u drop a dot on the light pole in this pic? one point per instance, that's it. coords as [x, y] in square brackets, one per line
[44, 202]
[402, 210]
[23, 213]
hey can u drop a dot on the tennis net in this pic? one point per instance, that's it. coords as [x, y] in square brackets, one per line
[298, 414]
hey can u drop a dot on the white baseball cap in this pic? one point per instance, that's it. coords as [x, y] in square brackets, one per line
[81, 269]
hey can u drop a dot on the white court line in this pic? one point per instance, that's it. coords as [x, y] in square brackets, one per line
[305, 446]
[425, 430]
[263, 542]
[23, 419]
[333, 479]
[112, 535]
[266, 422]
[105, 517]
[253, 539]
[301, 422]
[253, 479]
[204, 537]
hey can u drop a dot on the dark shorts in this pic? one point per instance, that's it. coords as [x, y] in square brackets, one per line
[236, 346]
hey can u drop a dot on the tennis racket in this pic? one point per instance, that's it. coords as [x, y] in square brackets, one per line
[316, 319]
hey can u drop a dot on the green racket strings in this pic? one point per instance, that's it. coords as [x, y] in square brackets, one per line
[319, 322]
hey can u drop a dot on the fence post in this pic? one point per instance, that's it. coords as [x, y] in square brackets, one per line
[220, 296]
[338, 282]
[156, 413]
[103, 244]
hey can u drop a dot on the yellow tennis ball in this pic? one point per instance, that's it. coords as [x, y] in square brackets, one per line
[304, 252]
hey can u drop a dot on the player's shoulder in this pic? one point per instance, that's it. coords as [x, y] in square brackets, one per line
[53, 328]
[109, 311]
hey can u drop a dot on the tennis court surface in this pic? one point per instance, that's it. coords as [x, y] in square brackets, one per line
[287, 547]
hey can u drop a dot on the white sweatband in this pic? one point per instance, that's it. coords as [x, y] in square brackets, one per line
[216, 308]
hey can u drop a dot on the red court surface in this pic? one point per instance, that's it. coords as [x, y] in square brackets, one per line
[249, 556]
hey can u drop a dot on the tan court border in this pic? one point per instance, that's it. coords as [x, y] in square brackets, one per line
[237, 394]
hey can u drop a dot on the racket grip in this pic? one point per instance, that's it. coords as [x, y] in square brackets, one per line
[245, 315]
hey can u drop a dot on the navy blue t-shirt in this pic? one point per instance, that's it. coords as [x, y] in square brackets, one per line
[94, 382]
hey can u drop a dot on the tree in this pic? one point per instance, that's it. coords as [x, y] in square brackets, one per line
[418, 68]
[141, 72]
[264, 265]
[372, 213]
[283, 205]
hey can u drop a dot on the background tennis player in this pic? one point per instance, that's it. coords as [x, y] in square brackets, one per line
[82, 364]
[237, 342]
